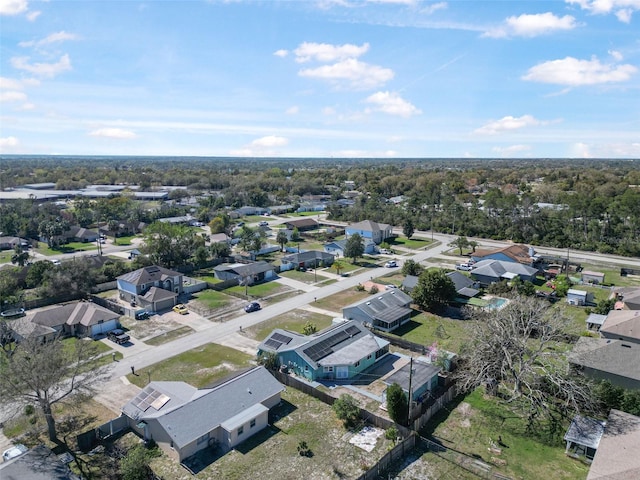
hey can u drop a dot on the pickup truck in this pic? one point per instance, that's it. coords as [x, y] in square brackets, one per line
[118, 336]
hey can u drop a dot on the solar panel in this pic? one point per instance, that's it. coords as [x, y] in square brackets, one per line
[278, 337]
[150, 397]
[324, 348]
[159, 402]
[352, 330]
[271, 343]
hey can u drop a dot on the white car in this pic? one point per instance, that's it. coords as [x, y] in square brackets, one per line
[391, 264]
[14, 452]
[465, 267]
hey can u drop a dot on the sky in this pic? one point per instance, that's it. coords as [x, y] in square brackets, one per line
[321, 78]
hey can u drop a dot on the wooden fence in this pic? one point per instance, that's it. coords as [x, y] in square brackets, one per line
[395, 454]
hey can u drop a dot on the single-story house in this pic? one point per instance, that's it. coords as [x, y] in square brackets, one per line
[79, 234]
[423, 381]
[409, 283]
[627, 298]
[369, 230]
[141, 287]
[38, 463]
[339, 352]
[594, 321]
[465, 287]
[605, 359]
[278, 209]
[592, 277]
[246, 272]
[249, 210]
[617, 455]
[490, 271]
[308, 259]
[179, 220]
[384, 311]
[9, 243]
[622, 325]
[513, 253]
[302, 224]
[219, 238]
[583, 437]
[337, 247]
[183, 420]
[577, 297]
[79, 319]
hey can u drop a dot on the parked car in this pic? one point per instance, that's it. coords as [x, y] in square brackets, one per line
[118, 336]
[391, 264]
[14, 452]
[142, 315]
[263, 223]
[464, 267]
[181, 309]
[252, 307]
[385, 251]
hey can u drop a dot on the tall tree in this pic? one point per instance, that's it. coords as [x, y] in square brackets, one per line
[281, 238]
[397, 404]
[169, 245]
[20, 255]
[47, 373]
[518, 351]
[408, 228]
[354, 247]
[434, 290]
[461, 243]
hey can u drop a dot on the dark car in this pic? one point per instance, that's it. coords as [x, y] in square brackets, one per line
[252, 307]
[118, 336]
[142, 315]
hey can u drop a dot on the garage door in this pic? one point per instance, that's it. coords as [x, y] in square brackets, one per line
[103, 327]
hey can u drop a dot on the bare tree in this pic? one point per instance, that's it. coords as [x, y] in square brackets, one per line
[47, 372]
[518, 353]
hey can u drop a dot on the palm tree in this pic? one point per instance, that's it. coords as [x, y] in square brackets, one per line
[282, 239]
[339, 266]
[19, 256]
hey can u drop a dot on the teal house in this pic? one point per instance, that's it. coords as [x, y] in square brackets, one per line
[339, 352]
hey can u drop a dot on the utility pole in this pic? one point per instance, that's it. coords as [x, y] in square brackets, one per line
[410, 392]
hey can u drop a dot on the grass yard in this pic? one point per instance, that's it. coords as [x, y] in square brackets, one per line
[198, 367]
[124, 241]
[272, 453]
[413, 243]
[477, 419]
[169, 336]
[306, 277]
[66, 248]
[260, 290]
[294, 320]
[612, 275]
[213, 299]
[5, 256]
[342, 299]
[427, 328]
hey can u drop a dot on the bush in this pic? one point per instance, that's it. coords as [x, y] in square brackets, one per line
[397, 404]
[347, 410]
[28, 409]
[373, 290]
[304, 450]
[360, 287]
[391, 434]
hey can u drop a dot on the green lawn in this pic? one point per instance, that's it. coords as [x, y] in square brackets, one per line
[294, 320]
[198, 367]
[612, 275]
[5, 256]
[213, 299]
[413, 243]
[427, 328]
[306, 277]
[125, 240]
[260, 290]
[477, 418]
[342, 299]
[67, 248]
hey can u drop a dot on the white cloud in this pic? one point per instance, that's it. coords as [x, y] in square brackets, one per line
[113, 133]
[281, 53]
[328, 111]
[261, 147]
[605, 150]
[292, 110]
[42, 69]
[31, 16]
[358, 75]
[270, 141]
[527, 25]
[573, 72]
[622, 9]
[617, 56]
[434, 7]
[10, 84]
[8, 142]
[12, 96]
[13, 7]
[511, 150]
[508, 123]
[53, 38]
[392, 104]
[580, 150]
[325, 52]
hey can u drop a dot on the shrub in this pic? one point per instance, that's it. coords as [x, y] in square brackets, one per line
[347, 410]
[373, 290]
[304, 450]
[28, 409]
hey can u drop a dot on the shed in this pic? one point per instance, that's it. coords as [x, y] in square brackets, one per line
[592, 277]
[577, 297]
[583, 437]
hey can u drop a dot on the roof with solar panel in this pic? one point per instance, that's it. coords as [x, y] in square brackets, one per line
[344, 343]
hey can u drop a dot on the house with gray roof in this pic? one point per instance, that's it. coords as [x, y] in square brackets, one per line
[337, 247]
[627, 298]
[465, 287]
[583, 437]
[80, 319]
[246, 273]
[308, 259]
[487, 272]
[385, 311]
[183, 419]
[370, 230]
[302, 224]
[141, 287]
[622, 325]
[339, 352]
[420, 376]
[617, 455]
[604, 359]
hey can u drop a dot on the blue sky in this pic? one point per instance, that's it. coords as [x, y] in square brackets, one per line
[341, 78]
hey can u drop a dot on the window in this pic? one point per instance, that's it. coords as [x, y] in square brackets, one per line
[357, 364]
[328, 369]
[203, 438]
[369, 357]
[240, 430]
[252, 423]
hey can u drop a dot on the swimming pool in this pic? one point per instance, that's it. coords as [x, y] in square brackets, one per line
[496, 302]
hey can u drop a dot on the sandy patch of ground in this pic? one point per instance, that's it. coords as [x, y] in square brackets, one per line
[367, 438]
